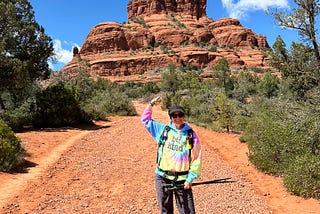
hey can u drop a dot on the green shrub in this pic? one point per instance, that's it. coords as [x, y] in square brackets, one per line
[132, 89]
[11, 150]
[269, 85]
[17, 108]
[78, 98]
[169, 80]
[177, 22]
[212, 48]
[191, 79]
[279, 133]
[203, 44]
[21, 116]
[149, 88]
[225, 111]
[56, 106]
[245, 86]
[107, 103]
[139, 20]
[273, 140]
[303, 176]
[166, 101]
[222, 74]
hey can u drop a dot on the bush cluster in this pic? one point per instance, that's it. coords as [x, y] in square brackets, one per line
[11, 149]
[56, 106]
[280, 129]
[283, 140]
[67, 100]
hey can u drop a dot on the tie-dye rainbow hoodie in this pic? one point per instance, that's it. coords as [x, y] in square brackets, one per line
[174, 156]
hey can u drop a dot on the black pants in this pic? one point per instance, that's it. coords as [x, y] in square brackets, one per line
[184, 198]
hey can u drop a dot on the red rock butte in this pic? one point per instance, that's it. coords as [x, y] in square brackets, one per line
[163, 32]
[195, 8]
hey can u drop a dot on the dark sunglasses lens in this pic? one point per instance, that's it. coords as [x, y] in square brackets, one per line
[178, 115]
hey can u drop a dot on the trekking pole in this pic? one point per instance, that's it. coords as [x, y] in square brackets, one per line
[171, 187]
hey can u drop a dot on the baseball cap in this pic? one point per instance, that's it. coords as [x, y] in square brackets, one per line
[175, 108]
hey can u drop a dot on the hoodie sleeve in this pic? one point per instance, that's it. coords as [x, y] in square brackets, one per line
[154, 128]
[196, 163]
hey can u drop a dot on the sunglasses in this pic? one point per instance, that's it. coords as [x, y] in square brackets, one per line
[177, 115]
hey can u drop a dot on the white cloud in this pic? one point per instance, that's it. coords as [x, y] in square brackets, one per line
[241, 8]
[62, 56]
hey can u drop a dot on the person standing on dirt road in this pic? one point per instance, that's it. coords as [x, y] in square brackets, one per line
[178, 162]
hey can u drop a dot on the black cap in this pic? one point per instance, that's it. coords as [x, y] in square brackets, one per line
[175, 108]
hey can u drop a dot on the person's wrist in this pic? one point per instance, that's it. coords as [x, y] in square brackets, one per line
[151, 104]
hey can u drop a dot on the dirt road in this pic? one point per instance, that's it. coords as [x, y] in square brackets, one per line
[110, 169]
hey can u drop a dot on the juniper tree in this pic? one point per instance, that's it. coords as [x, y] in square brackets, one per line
[24, 50]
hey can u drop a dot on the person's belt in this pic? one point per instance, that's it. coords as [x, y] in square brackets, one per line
[170, 173]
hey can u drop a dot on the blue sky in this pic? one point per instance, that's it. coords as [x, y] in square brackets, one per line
[68, 22]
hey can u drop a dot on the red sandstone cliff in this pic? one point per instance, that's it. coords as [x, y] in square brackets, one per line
[163, 32]
[195, 8]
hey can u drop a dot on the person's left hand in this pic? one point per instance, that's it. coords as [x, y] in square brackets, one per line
[187, 185]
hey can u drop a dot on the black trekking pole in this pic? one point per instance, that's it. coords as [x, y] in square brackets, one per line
[171, 187]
